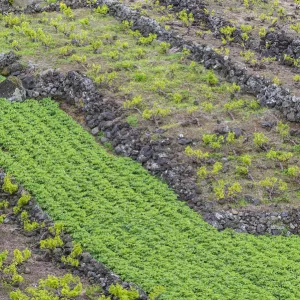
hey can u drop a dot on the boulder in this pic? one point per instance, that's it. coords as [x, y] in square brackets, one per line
[8, 63]
[12, 89]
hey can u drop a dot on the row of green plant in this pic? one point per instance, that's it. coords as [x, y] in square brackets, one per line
[131, 221]
[52, 288]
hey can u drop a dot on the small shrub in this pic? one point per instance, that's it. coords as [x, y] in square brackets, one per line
[260, 139]
[164, 47]
[102, 10]
[213, 140]
[136, 101]
[8, 186]
[132, 121]
[283, 129]
[123, 294]
[140, 77]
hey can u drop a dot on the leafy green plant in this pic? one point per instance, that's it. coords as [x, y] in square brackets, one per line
[24, 199]
[195, 153]
[103, 10]
[186, 18]
[283, 129]
[9, 271]
[164, 47]
[273, 186]
[132, 121]
[68, 287]
[223, 190]
[259, 139]
[123, 294]
[72, 258]
[296, 27]
[227, 33]
[147, 40]
[52, 243]
[27, 224]
[67, 11]
[134, 102]
[8, 186]
[213, 140]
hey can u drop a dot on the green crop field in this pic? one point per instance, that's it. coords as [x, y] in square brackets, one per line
[131, 221]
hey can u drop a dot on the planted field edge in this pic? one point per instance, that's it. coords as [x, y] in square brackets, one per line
[96, 272]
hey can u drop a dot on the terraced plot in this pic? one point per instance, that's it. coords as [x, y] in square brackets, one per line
[162, 90]
[131, 221]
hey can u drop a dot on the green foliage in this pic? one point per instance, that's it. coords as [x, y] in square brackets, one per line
[177, 97]
[131, 221]
[227, 33]
[135, 102]
[223, 190]
[195, 153]
[217, 167]
[51, 243]
[260, 139]
[4, 204]
[132, 121]
[296, 27]
[273, 186]
[11, 20]
[213, 140]
[207, 106]
[211, 78]
[8, 186]
[245, 159]
[247, 55]
[72, 259]
[147, 40]
[186, 18]
[156, 112]
[68, 286]
[283, 129]
[78, 59]
[202, 172]
[27, 224]
[2, 218]
[24, 199]
[9, 271]
[282, 156]
[140, 77]
[230, 138]
[67, 11]
[103, 10]
[262, 32]
[276, 80]
[85, 22]
[156, 292]
[293, 171]
[164, 47]
[234, 104]
[123, 294]
[241, 170]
